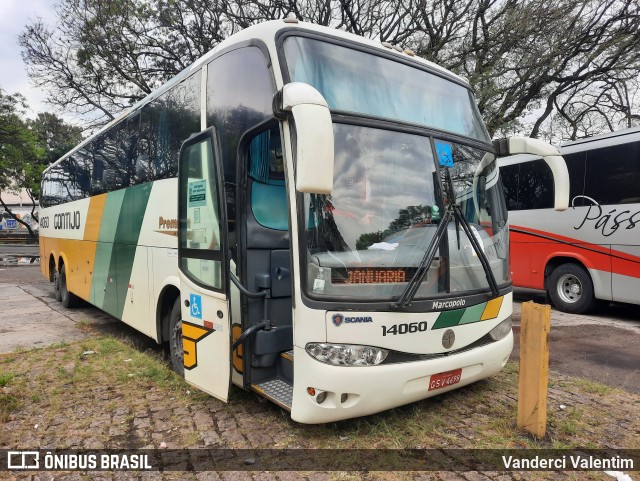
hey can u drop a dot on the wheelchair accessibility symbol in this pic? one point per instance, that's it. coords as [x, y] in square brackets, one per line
[195, 303]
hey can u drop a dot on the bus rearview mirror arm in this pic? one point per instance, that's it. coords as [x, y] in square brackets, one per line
[527, 145]
[314, 135]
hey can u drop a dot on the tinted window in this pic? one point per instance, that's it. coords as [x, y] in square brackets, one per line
[575, 166]
[523, 183]
[175, 115]
[84, 166]
[509, 176]
[613, 174]
[106, 155]
[96, 147]
[138, 166]
[239, 95]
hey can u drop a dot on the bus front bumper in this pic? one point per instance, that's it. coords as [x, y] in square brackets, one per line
[359, 391]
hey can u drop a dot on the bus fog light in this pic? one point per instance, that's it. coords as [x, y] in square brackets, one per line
[346, 354]
[501, 330]
[321, 397]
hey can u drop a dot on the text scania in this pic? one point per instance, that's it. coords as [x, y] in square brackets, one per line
[67, 220]
[358, 319]
[446, 304]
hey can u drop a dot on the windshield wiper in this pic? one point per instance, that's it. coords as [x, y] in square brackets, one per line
[407, 296]
[454, 210]
[466, 227]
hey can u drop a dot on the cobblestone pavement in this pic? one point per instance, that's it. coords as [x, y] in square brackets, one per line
[100, 411]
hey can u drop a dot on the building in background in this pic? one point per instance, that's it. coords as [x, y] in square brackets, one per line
[21, 205]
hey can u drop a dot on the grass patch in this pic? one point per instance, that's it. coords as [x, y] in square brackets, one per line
[5, 378]
[591, 387]
[102, 396]
[8, 404]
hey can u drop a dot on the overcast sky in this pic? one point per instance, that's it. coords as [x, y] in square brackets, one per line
[14, 15]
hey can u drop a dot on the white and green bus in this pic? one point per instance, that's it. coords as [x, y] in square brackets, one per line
[303, 213]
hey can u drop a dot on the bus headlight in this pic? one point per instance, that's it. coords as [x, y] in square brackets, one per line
[346, 354]
[501, 330]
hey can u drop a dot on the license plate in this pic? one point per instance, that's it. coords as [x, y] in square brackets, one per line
[445, 379]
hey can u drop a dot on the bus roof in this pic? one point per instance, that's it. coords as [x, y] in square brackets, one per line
[266, 32]
[595, 142]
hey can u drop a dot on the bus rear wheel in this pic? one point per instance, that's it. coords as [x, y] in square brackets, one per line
[176, 349]
[570, 289]
[67, 297]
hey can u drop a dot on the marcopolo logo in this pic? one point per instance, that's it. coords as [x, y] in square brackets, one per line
[448, 304]
[339, 319]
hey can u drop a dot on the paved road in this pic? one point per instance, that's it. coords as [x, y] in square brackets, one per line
[601, 346]
[11, 254]
[30, 317]
[14, 249]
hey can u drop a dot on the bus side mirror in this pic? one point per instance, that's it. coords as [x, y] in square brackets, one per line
[314, 135]
[526, 145]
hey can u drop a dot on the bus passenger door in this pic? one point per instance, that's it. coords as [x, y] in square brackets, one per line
[202, 259]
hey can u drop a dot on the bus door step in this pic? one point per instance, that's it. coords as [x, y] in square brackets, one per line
[276, 390]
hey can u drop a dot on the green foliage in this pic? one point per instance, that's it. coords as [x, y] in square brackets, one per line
[531, 63]
[18, 145]
[28, 146]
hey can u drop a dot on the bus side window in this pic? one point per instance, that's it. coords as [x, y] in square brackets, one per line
[613, 174]
[239, 96]
[268, 192]
[535, 186]
[576, 167]
[177, 117]
[509, 175]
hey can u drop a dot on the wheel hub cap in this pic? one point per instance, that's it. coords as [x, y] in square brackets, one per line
[569, 288]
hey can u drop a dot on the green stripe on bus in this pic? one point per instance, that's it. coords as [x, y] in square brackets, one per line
[473, 313]
[117, 243]
[448, 319]
[103, 288]
[127, 235]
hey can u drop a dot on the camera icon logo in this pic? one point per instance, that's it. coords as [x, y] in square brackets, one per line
[23, 459]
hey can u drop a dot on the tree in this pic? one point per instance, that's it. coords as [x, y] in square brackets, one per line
[560, 70]
[19, 151]
[27, 147]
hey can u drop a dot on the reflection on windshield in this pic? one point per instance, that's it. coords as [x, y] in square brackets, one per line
[383, 184]
[368, 237]
[355, 81]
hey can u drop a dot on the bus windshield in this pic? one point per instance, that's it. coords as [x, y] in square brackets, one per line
[367, 238]
[354, 81]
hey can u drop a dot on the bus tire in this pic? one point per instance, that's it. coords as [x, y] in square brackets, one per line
[68, 298]
[176, 350]
[571, 289]
[56, 286]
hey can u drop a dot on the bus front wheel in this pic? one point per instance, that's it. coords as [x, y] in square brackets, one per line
[570, 289]
[175, 339]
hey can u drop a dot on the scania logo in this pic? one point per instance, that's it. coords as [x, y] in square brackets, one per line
[337, 319]
[448, 304]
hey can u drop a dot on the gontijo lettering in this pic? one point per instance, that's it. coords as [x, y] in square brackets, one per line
[67, 220]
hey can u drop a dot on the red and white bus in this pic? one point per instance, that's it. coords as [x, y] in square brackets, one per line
[591, 251]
